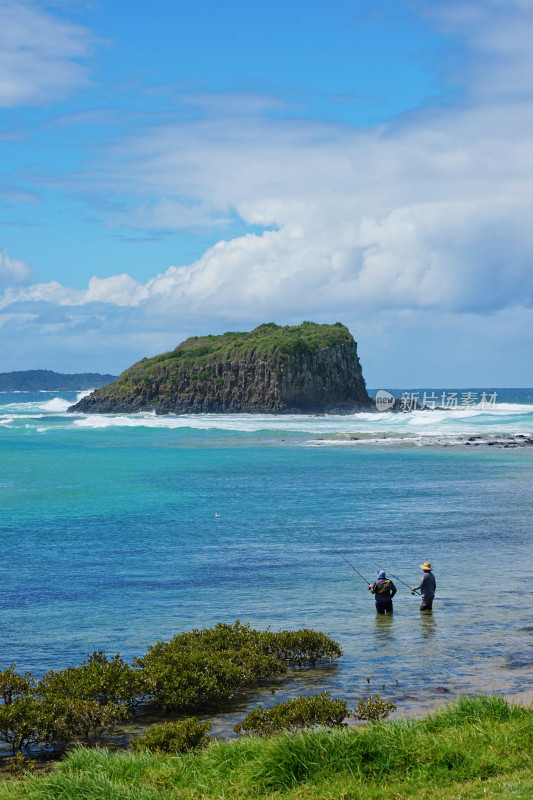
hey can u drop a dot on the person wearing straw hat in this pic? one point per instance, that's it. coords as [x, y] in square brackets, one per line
[426, 587]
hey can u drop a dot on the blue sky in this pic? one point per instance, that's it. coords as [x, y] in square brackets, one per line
[175, 169]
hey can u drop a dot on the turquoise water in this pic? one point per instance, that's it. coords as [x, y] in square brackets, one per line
[121, 530]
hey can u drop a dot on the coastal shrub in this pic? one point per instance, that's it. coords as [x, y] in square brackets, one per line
[97, 678]
[297, 346]
[30, 722]
[44, 722]
[199, 667]
[72, 718]
[19, 765]
[13, 684]
[294, 715]
[177, 678]
[212, 664]
[174, 737]
[71, 703]
[23, 724]
[301, 647]
[373, 707]
[203, 350]
[221, 636]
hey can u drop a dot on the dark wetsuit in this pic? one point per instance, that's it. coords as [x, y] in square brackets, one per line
[383, 590]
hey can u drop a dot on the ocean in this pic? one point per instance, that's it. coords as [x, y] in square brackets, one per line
[118, 531]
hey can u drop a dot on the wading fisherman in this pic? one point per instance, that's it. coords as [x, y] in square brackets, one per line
[383, 590]
[426, 586]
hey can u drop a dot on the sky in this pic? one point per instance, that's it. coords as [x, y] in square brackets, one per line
[175, 169]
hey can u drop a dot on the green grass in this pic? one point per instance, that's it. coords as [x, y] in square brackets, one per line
[268, 339]
[476, 748]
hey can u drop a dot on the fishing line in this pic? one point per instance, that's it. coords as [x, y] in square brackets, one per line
[352, 566]
[399, 579]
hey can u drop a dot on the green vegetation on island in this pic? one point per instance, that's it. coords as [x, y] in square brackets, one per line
[273, 368]
[45, 380]
[266, 341]
[477, 748]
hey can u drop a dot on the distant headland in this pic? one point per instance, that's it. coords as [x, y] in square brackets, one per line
[36, 380]
[307, 368]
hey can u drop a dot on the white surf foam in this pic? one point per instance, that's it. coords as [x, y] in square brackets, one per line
[435, 423]
[508, 418]
[81, 395]
[60, 405]
[514, 408]
[57, 404]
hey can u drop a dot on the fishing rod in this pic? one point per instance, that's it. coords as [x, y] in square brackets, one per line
[352, 566]
[399, 579]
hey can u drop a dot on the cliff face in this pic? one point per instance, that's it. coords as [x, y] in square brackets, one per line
[201, 376]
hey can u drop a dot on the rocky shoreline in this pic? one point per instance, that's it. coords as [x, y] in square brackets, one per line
[505, 440]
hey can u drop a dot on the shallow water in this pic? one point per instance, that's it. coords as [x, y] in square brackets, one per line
[121, 530]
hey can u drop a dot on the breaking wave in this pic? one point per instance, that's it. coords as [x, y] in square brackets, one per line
[504, 423]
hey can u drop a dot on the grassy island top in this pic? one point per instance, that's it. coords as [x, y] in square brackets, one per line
[268, 341]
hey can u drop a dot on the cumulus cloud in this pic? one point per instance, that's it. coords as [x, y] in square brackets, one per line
[430, 213]
[13, 271]
[117, 290]
[39, 54]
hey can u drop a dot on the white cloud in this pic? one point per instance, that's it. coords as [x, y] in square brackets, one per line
[433, 212]
[117, 290]
[169, 214]
[497, 35]
[39, 54]
[429, 212]
[13, 271]
[427, 219]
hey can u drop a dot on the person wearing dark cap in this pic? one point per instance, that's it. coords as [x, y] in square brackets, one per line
[427, 587]
[383, 590]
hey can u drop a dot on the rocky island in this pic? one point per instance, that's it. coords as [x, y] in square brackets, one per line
[307, 368]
